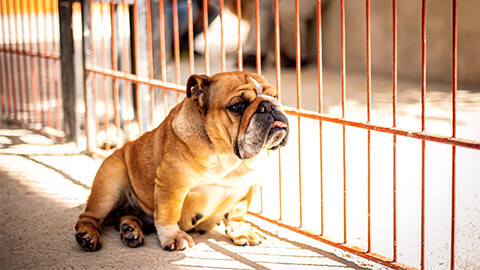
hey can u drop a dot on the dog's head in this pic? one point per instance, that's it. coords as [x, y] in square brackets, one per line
[241, 112]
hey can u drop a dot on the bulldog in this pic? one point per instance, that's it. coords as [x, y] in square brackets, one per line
[191, 172]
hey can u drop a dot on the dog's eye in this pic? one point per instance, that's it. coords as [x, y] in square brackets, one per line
[238, 107]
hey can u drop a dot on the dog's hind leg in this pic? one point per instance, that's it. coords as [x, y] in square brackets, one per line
[108, 192]
[131, 231]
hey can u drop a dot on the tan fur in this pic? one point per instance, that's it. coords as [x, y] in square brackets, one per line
[184, 167]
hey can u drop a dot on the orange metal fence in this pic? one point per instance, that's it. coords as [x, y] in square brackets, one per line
[30, 65]
[128, 83]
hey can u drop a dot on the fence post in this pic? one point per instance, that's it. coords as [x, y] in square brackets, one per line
[88, 82]
[140, 63]
[67, 67]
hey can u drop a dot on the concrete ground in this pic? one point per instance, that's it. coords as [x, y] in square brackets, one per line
[43, 189]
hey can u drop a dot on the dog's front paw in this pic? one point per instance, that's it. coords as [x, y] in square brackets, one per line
[88, 238]
[172, 238]
[243, 234]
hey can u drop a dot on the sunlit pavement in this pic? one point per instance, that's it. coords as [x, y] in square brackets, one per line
[44, 187]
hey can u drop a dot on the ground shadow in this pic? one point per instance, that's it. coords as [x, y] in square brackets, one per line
[38, 218]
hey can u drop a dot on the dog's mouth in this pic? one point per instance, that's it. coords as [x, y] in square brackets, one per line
[278, 130]
[279, 125]
[276, 135]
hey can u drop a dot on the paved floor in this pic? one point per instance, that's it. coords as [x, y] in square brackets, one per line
[43, 188]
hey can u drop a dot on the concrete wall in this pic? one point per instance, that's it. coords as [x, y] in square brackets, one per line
[439, 39]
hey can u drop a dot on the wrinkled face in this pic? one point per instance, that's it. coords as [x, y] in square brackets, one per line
[241, 111]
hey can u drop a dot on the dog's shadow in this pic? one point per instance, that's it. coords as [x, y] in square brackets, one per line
[215, 250]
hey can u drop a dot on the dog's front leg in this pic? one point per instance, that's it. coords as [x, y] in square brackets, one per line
[169, 197]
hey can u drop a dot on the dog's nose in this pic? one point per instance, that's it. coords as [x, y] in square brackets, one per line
[265, 107]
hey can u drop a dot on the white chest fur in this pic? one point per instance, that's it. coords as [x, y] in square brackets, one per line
[227, 170]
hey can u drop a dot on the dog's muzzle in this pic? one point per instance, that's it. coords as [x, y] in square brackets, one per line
[267, 128]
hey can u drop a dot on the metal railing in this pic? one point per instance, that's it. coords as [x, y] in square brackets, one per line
[130, 84]
[31, 93]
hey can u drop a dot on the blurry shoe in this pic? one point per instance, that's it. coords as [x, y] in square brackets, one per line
[250, 60]
[291, 63]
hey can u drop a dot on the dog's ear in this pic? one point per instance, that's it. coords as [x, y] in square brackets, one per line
[196, 87]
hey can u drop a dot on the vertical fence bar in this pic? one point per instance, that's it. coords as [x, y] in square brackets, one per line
[137, 64]
[13, 88]
[258, 45]
[32, 64]
[191, 54]
[18, 10]
[14, 60]
[94, 76]
[48, 96]
[115, 67]
[258, 66]
[89, 77]
[298, 57]
[343, 67]
[369, 106]
[24, 12]
[55, 10]
[10, 80]
[278, 83]
[2, 89]
[320, 102]
[141, 63]
[69, 88]
[2, 65]
[14, 54]
[261, 199]
[5, 57]
[17, 63]
[222, 44]
[176, 41]
[25, 60]
[277, 48]
[163, 54]
[205, 37]
[240, 45]
[394, 120]
[423, 94]
[126, 91]
[40, 69]
[454, 129]
[103, 52]
[150, 58]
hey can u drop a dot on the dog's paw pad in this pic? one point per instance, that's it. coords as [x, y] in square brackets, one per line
[126, 228]
[131, 236]
[243, 234]
[88, 239]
